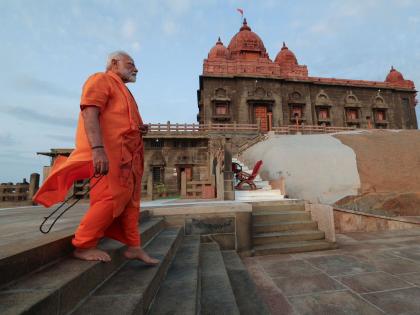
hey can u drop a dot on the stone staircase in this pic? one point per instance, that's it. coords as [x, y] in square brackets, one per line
[192, 278]
[285, 227]
[264, 190]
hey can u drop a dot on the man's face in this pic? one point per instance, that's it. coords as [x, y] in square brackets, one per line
[126, 69]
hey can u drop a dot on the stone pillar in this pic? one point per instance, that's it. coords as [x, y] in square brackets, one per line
[308, 106]
[45, 172]
[282, 180]
[229, 193]
[183, 184]
[270, 121]
[243, 231]
[259, 124]
[150, 185]
[219, 179]
[33, 185]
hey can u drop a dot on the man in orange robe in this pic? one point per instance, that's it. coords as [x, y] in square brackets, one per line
[108, 142]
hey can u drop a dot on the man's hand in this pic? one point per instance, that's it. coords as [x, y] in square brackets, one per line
[100, 161]
[90, 115]
[144, 129]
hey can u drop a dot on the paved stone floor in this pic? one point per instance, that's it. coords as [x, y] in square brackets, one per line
[19, 227]
[370, 273]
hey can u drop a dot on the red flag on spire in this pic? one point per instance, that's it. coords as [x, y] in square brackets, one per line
[241, 12]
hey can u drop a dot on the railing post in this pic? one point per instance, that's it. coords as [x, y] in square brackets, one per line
[168, 126]
[259, 124]
[270, 121]
[33, 185]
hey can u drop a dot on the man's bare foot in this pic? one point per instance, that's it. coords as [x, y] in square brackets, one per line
[91, 254]
[139, 254]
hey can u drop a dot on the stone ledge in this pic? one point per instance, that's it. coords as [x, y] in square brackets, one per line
[399, 219]
[353, 221]
[195, 209]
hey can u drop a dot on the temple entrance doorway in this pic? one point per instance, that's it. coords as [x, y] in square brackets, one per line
[260, 114]
[188, 174]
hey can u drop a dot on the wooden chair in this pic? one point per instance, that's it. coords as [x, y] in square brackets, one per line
[246, 178]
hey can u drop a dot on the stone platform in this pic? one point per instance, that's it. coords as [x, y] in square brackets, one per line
[370, 273]
[19, 227]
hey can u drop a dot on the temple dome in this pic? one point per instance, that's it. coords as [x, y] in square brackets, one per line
[247, 42]
[218, 51]
[286, 56]
[394, 76]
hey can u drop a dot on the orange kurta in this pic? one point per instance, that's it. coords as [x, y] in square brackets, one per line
[119, 120]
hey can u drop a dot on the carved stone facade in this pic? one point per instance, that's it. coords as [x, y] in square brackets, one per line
[165, 158]
[241, 84]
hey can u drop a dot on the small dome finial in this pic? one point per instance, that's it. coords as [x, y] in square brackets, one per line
[245, 26]
[284, 46]
[392, 68]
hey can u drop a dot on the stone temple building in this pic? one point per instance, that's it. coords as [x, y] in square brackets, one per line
[241, 84]
[242, 95]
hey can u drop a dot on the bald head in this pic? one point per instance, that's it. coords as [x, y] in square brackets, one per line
[123, 65]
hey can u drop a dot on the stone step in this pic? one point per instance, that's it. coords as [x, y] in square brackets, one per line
[257, 193]
[246, 293]
[293, 247]
[179, 292]
[216, 292]
[284, 226]
[280, 216]
[59, 286]
[53, 247]
[289, 236]
[259, 198]
[279, 203]
[132, 288]
[264, 185]
[280, 207]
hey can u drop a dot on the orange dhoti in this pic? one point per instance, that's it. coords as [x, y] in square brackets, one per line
[100, 222]
[115, 198]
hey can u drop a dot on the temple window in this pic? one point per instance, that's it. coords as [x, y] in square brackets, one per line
[323, 114]
[221, 109]
[157, 174]
[380, 115]
[352, 114]
[296, 111]
[157, 143]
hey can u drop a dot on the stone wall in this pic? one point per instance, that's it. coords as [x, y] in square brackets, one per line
[242, 93]
[172, 155]
[227, 223]
[346, 221]
[316, 168]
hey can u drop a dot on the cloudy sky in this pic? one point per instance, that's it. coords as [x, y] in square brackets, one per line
[49, 47]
